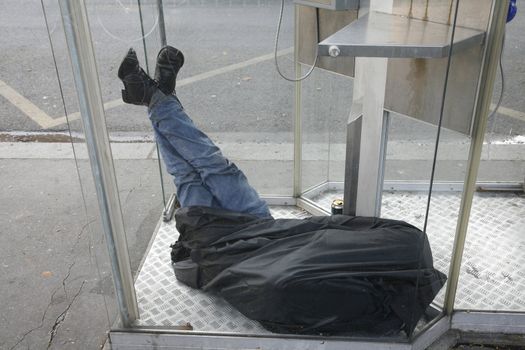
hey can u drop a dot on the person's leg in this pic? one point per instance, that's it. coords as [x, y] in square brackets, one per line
[228, 185]
[191, 190]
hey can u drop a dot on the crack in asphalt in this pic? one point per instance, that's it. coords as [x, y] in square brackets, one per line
[41, 321]
[46, 310]
[67, 276]
[79, 236]
[61, 318]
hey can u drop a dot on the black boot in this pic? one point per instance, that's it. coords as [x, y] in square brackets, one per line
[138, 86]
[169, 62]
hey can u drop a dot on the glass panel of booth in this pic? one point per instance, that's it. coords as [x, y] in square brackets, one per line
[115, 27]
[427, 157]
[430, 108]
[419, 151]
[326, 99]
[492, 273]
[230, 88]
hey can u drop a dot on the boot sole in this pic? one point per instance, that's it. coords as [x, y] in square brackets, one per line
[168, 64]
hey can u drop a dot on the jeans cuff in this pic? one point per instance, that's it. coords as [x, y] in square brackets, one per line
[158, 100]
[158, 96]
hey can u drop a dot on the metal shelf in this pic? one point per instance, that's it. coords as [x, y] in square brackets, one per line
[331, 4]
[385, 35]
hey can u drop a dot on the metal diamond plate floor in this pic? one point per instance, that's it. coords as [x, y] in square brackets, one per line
[493, 268]
[492, 276]
[164, 301]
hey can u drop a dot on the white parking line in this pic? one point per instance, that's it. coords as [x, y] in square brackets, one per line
[76, 115]
[115, 103]
[509, 112]
[45, 121]
[26, 106]
[190, 80]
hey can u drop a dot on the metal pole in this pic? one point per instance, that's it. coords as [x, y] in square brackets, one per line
[364, 181]
[162, 24]
[298, 151]
[78, 37]
[146, 60]
[143, 32]
[163, 42]
[494, 40]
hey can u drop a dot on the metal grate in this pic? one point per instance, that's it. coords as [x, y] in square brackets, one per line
[492, 276]
[164, 301]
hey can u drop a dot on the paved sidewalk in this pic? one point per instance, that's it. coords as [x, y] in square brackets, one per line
[502, 160]
[54, 277]
[54, 270]
[454, 149]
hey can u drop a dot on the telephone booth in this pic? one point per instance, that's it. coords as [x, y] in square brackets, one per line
[384, 105]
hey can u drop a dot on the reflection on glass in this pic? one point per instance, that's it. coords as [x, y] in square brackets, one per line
[129, 133]
[235, 96]
[492, 272]
[428, 150]
[326, 99]
[229, 88]
[115, 27]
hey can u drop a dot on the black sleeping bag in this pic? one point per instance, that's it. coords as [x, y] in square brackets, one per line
[321, 275]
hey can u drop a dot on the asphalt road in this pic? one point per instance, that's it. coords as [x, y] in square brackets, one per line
[213, 34]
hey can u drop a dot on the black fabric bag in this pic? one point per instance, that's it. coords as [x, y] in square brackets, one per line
[321, 275]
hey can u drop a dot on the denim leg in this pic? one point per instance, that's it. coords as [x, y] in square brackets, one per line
[190, 188]
[228, 185]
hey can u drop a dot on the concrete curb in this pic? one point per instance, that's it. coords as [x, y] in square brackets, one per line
[397, 150]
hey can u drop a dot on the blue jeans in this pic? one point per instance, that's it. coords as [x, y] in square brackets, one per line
[202, 175]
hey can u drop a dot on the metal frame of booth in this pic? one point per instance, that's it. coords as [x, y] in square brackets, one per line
[125, 336]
